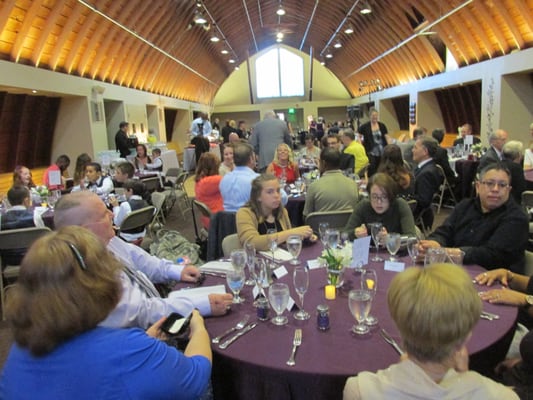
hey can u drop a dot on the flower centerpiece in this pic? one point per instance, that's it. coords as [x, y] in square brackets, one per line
[41, 194]
[477, 150]
[336, 261]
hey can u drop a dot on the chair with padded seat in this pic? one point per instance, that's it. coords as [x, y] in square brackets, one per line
[199, 210]
[136, 222]
[335, 219]
[13, 243]
[230, 243]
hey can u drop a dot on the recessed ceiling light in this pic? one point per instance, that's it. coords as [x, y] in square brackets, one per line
[224, 51]
[337, 45]
[34, 91]
[366, 8]
[279, 40]
[348, 30]
[279, 35]
[231, 61]
[280, 11]
[215, 39]
[329, 55]
[236, 68]
[322, 62]
[199, 19]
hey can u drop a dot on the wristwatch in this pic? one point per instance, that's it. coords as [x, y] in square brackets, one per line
[529, 301]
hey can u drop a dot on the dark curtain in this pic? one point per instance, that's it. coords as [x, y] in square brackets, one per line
[170, 119]
[460, 105]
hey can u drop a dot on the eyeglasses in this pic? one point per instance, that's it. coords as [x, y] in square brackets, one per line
[491, 184]
[378, 198]
[78, 256]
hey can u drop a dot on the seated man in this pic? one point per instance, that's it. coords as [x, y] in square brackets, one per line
[464, 131]
[356, 149]
[441, 157]
[157, 163]
[495, 151]
[435, 362]
[333, 191]
[140, 304]
[491, 229]
[347, 160]
[123, 171]
[236, 185]
[134, 191]
[101, 185]
[427, 177]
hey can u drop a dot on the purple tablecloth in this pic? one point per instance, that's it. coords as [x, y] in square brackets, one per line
[254, 366]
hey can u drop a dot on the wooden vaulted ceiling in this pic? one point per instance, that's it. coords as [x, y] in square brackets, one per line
[155, 46]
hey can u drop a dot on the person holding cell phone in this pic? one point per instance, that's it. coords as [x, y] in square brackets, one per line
[68, 284]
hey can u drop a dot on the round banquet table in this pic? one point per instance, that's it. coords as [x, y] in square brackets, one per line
[254, 366]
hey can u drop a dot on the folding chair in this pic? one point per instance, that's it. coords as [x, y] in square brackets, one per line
[136, 222]
[336, 219]
[230, 243]
[443, 188]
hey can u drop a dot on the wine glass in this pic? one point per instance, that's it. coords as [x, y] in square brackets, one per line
[249, 249]
[260, 275]
[294, 245]
[333, 236]
[375, 231]
[322, 228]
[278, 294]
[300, 278]
[235, 280]
[412, 248]
[238, 259]
[394, 241]
[369, 283]
[360, 302]
[273, 244]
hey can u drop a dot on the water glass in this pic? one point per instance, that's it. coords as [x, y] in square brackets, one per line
[278, 294]
[235, 280]
[249, 249]
[455, 256]
[369, 283]
[238, 259]
[260, 274]
[273, 244]
[294, 246]
[300, 278]
[393, 241]
[412, 248]
[375, 231]
[322, 228]
[435, 255]
[333, 236]
[360, 302]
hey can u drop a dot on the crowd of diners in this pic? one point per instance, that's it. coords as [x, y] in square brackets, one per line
[85, 299]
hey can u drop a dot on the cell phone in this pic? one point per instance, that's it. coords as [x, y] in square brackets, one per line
[176, 324]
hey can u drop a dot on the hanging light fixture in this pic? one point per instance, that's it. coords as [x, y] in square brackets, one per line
[329, 55]
[231, 61]
[337, 44]
[215, 38]
[366, 8]
[280, 11]
[348, 30]
[224, 51]
[199, 19]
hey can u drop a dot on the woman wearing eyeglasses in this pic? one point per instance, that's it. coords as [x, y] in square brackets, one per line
[383, 206]
[68, 284]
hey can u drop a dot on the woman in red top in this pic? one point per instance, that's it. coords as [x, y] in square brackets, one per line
[283, 166]
[207, 181]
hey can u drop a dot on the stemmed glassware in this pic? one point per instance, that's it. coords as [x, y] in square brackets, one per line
[278, 294]
[369, 283]
[249, 249]
[260, 275]
[294, 245]
[235, 280]
[238, 259]
[273, 245]
[360, 302]
[394, 241]
[333, 236]
[322, 229]
[412, 248]
[375, 231]
[300, 278]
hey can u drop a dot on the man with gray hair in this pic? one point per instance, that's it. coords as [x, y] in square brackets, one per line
[266, 136]
[140, 304]
[513, 152]
[494, 153]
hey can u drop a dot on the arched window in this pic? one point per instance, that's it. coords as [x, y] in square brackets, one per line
[279, 73]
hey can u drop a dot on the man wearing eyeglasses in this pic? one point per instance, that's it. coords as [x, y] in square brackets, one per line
[491, 229]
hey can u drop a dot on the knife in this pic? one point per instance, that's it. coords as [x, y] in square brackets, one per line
[391, 341]
[238, 335]
[490, 315]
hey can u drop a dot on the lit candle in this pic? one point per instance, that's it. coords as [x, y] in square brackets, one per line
[330, 292]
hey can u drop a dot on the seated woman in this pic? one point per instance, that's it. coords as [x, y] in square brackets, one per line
[58, 340]
[383, 206]
[96, 182]
[283, 167]
[227, 164]
[435, 310]
[264, 214]
[55, 176]
[22, 177]
[79, 171]
[310, 154]
[393, 165]
[142, 158]
[134, 190]
[207, 181]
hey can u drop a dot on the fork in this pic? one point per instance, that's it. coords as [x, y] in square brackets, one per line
[295, 343]
[388, 338]
[237, 327]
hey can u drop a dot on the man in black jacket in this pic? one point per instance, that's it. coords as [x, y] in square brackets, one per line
[121, 140]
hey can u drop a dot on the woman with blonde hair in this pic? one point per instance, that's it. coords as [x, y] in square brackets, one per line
[68, 284]
[283, 167]
[22, 177]
[435, 310]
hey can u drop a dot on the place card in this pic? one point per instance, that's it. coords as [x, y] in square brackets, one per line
[54, 178]
[468, 140]
[360, 249]
[394, 266]
[280, 272]
[313, 264]
[290, 304]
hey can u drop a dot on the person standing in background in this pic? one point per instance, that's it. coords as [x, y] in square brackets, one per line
[121, 139]
[268, 134]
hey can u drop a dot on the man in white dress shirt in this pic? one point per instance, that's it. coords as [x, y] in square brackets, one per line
[140, 305]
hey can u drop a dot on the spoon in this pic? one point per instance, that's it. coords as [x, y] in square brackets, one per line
[237, 327]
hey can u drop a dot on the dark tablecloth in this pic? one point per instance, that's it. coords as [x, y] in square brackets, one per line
[254, 366]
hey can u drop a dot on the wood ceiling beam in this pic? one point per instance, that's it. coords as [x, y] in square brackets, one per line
[51, 22]
[24, 29]
[68, 30]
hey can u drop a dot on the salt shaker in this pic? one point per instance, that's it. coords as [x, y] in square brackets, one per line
[322, 317]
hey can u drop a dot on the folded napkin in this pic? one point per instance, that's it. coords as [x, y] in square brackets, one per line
[220, 267]
[197, 292]
[279, 254]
